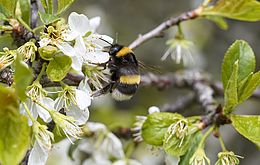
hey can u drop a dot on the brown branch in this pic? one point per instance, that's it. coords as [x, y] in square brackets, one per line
[158, 31]
[180, 104]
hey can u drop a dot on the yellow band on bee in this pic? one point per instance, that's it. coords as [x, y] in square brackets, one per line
[130, 79]
[124, 51]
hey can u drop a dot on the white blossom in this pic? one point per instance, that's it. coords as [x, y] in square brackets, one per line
[75, 102]
[179, 50]
[36, 92]
[42, 144]
[67, 124]
[88, 46]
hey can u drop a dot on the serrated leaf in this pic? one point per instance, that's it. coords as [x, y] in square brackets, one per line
[156, 125]
[245, 10]
[25, 9]
[250, 87]
[58, 68]
[15, 132]
[48, 18]
[219, 21]
[248, 126]
[239, 50]
[184, 160]
[231, 93]
[63, 5]
[22, 78]
[7, 7]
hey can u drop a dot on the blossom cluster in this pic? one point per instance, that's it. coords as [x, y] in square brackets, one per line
[66, 106]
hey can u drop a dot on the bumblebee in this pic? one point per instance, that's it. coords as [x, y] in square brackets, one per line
[125, 76]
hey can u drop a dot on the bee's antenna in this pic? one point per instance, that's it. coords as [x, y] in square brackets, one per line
[105, 41]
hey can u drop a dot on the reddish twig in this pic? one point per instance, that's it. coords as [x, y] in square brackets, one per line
[158, 31]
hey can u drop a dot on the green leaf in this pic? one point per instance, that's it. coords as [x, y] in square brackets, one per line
[25, 9]
[250, 87]
[22, 78]
[220, 21]
[2, 17]
[58, 68]
[231, 98]
[239, 50]
[245, 10]
[7, 7]
[184, 160]
[48, 18]
[248, 126]
[15, 132]
[156, 125]
[64, 5]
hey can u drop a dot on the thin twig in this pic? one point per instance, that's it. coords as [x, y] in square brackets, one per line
[158, 31]
[180, 104]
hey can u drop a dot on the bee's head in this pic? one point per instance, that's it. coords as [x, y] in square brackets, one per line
[113, 49]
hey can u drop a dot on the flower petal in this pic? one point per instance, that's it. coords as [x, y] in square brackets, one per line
[49, 103]
[97, 57]
[78, 23]
[79, 46]
[70, 35]
[81, 116]
[94, 127]
[114, 146]
[94, 23]
[44, 42]
[38, 155]
[67, 49]
[77, 63]
[83, 99]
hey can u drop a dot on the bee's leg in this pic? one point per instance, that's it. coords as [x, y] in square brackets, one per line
[104, 90]
[104, 65]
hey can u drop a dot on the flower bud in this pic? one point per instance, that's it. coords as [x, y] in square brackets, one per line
[156, 125]
[227, 158]
[27, 51]
[7, 58]
[199, 158]
[178, 137]
[47, 52]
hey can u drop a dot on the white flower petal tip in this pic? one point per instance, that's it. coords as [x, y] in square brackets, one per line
[38, 155]
[83, 99]
[94, 23]
[78, 23]
[153, 109]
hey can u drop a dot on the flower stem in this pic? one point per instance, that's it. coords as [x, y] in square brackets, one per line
[50, 7]
[41, 72]
[202, 142]
[21, 21]
[41, 105]
[44, 4]
[179, 34]
[28, 112]
[222, 143]
[38, 28]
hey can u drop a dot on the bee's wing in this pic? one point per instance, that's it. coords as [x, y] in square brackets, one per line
[145, 67]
